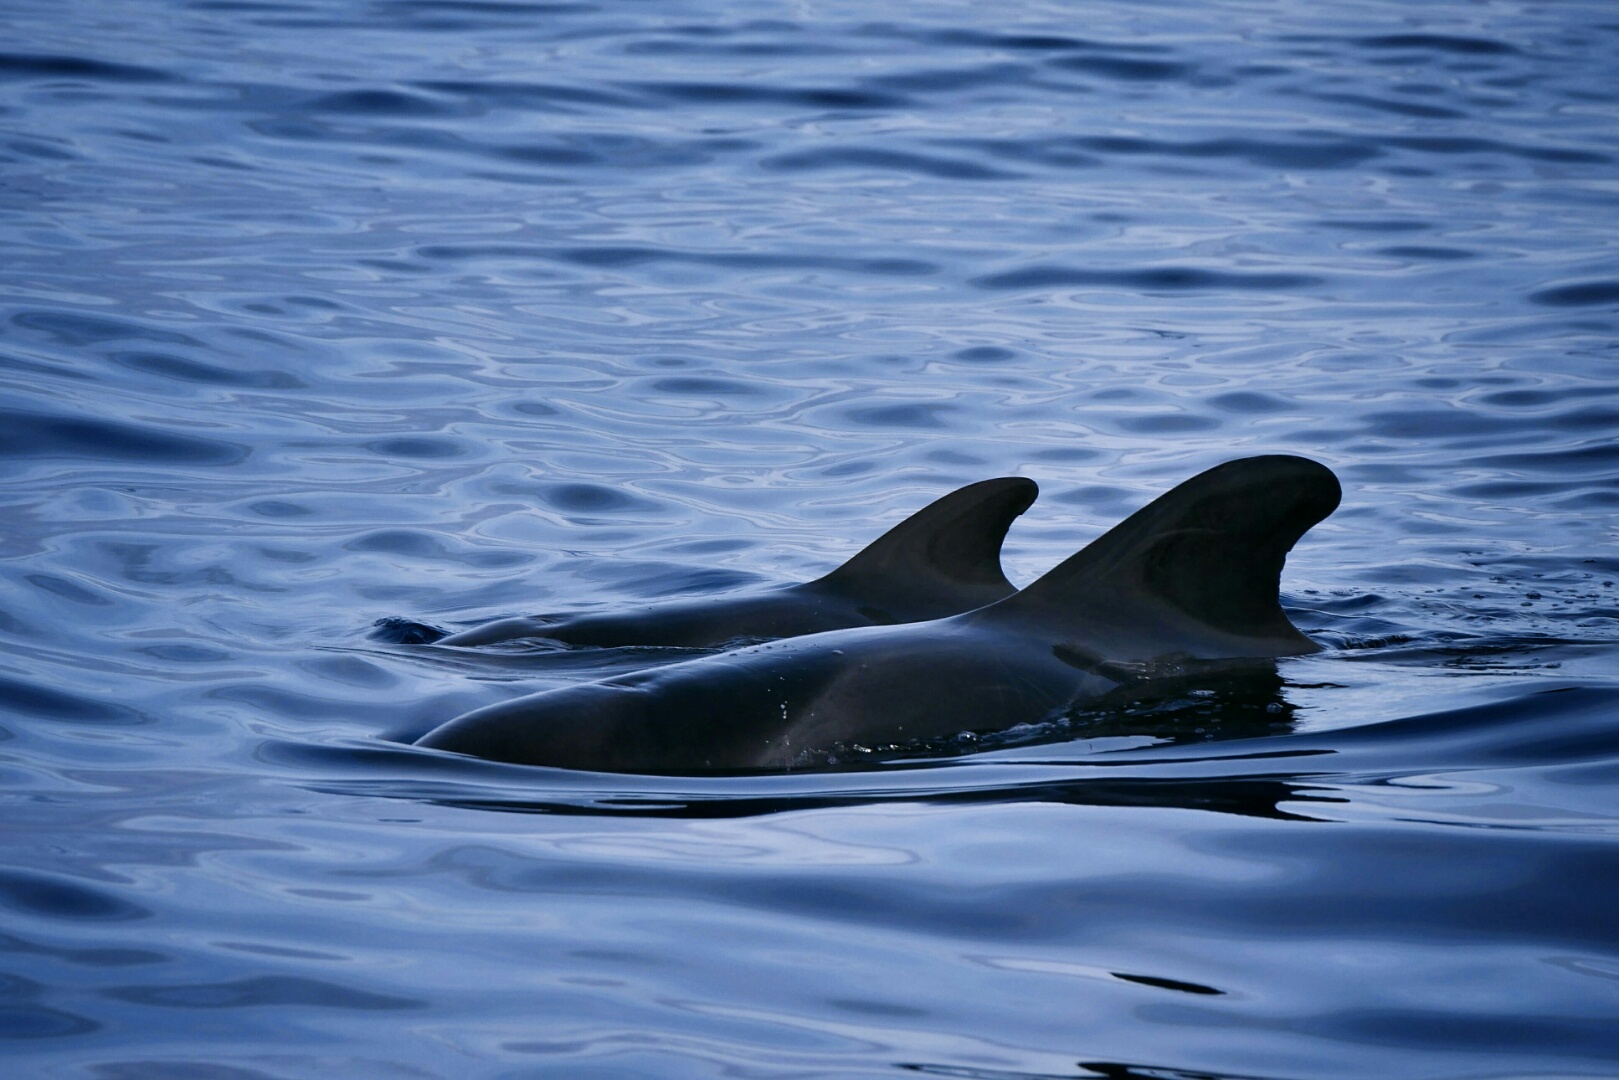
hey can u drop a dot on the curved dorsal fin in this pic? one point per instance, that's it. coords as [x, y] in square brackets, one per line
[950, 546]
[1207, 555]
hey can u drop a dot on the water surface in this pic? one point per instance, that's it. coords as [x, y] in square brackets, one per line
[319, 314]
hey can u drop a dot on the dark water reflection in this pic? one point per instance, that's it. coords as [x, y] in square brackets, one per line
[330, 327]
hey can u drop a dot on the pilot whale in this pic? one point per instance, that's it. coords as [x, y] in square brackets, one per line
[1194, 575]
[942, 560]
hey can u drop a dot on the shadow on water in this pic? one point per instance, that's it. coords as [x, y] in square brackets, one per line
[550, 791]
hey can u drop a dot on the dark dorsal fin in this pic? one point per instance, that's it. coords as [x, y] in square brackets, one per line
[1210, 551]
[951, 545]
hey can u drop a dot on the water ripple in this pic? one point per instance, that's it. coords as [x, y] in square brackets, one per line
[335, 326]
[29, 433]
[25, 66]
[1155, 279]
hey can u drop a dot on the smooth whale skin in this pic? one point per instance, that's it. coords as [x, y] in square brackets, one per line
[943, 559]
[1192, 576]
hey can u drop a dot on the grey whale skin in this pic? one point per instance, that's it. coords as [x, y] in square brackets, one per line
[942, 560]
[1192, 575]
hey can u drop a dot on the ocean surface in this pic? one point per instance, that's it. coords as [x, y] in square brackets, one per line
[322, 321]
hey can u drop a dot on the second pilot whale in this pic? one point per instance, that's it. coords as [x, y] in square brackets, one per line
[943, 559]
[1194, 575]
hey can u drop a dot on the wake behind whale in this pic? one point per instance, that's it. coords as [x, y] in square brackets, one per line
[1192, 576]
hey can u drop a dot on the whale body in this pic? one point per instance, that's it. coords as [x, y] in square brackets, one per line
[1192, 576]
[943, 559]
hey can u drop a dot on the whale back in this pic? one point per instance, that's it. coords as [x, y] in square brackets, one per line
[1196, 571]
[943, 559]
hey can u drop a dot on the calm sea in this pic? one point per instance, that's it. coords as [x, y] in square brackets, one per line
[315, 313]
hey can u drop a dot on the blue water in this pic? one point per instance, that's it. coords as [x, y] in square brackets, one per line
[315, 313]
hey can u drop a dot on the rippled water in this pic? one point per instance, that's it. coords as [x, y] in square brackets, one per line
[322, 313]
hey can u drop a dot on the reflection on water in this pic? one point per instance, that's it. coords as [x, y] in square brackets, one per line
[331, 327]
